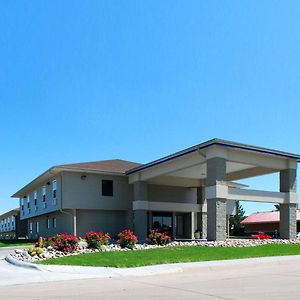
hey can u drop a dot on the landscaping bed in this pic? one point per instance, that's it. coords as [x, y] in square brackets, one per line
[176, 254]
[171, 252]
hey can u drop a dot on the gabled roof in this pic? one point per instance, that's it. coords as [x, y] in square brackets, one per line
[9, 213]
[111, 167]
[265, 217]
[215, 142]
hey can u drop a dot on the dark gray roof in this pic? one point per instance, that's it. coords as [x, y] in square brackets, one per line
[216, 142]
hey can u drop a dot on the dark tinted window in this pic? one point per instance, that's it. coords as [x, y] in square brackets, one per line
[107, 188]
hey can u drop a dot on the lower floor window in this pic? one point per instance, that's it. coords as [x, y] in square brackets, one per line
[54, 222]
[37, 227]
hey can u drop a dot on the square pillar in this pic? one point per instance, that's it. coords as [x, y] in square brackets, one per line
[216, 206]
[202, 215]
[140, 224]
[140, 216]
[288, 211]
[288, 223]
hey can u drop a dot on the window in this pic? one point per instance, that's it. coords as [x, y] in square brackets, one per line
[48, 223]
[28, 202]
[107, 188]
[35, 198]
[37, 227]
[54, 191]
[30, 227]
[44, 193]
[22, 203]
[54, 222]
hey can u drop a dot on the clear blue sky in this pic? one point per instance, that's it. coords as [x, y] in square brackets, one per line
[92, 80]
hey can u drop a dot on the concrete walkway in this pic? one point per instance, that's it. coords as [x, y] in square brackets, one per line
[273, 278]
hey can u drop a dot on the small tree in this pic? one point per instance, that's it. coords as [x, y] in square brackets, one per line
[236, 228]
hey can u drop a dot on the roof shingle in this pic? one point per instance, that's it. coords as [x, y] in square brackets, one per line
[112, 165]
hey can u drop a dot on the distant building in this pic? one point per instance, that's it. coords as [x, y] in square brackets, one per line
[11, 227]
[265, 221]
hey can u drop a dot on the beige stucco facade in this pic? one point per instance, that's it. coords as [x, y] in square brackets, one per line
[183, 192]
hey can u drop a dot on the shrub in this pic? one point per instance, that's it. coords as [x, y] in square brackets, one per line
[96, 240]
[66, 243]
[35, 251]
[127, 239]
[158, 238]
[44, 242]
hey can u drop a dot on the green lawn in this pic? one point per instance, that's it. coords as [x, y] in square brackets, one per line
[172, 255]
[11, 243]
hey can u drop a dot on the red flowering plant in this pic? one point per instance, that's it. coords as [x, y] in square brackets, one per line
[96, 240]
[127, 239]
[158, 238]
[64, 242]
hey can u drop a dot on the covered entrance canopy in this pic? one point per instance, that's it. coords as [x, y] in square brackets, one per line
[208, 167]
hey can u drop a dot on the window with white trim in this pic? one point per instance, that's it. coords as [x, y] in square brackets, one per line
[48, 223]
[37, 227]
[54, 191]
[30, 227]
[54, 222]
[35, 198]
[44, 193]
[28, 201]
[22, 203]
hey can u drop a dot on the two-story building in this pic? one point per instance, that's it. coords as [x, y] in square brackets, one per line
[11, 227]
[186, 191]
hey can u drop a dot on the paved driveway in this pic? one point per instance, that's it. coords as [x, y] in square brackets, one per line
[273, 280]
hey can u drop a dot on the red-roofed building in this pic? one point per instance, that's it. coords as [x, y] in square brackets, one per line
[265, 221]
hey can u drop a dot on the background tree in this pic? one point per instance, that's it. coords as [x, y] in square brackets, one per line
[236, 228]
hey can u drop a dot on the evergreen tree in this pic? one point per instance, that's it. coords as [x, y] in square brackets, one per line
[236, 228]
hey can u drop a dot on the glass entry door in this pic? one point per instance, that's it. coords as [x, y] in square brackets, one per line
[163, 222]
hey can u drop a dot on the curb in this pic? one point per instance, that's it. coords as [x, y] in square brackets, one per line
[23, 264]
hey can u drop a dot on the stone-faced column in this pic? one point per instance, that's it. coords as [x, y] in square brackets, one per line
[202, 215]
[288, 211]
[140, 216]
[216, 205]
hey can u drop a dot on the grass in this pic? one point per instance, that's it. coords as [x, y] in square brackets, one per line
[171, 255]
[12, 243]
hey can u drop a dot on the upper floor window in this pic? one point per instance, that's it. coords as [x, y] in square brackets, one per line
[35, 198]
[107, 187]
[28, 201]
[22, 203]
[44, 193]
[54, 189]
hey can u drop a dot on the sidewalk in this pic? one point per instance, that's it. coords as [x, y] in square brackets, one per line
[11, 274]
